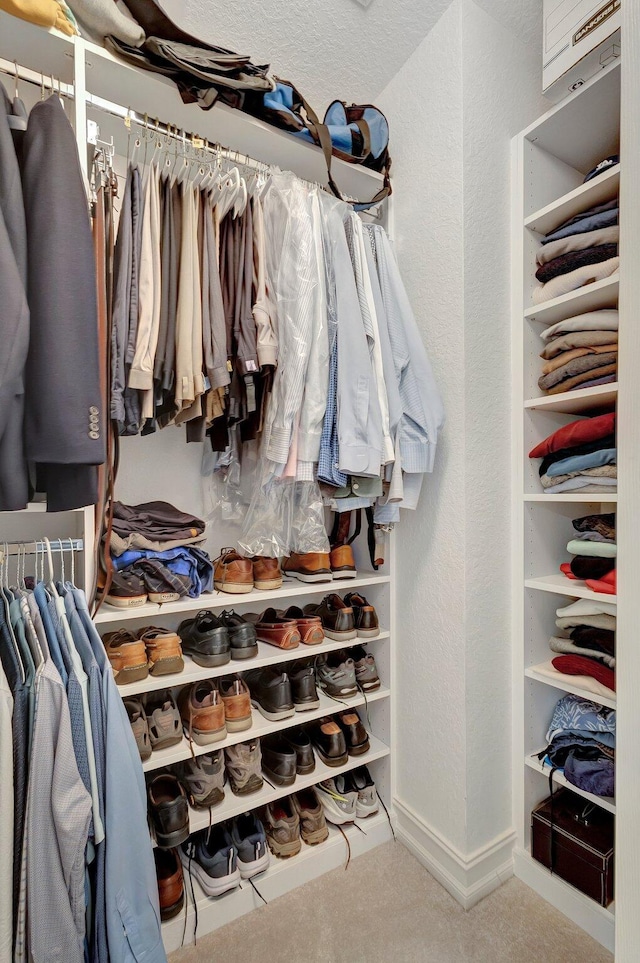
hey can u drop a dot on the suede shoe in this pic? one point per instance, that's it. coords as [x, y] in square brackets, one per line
[366, 617]
[303, 686]
[267, 574]
[278, 761]
[237, 703]
[233, 573]
[202, 711]
[139, 727]
[212, 858]
[170, 882]
[127, 655]
[242, 635]
[313, 825]
[337, 617]
[169, 810]
[205, 639]
[329, 742]
[275, 630]
[250, 841]
[336, 674]
[282, 826]
[299, 741]
[355, 734]
[271, 693]
[163, 719]
[309, 626]
[203, 779]
[244, 764]
[308, 567]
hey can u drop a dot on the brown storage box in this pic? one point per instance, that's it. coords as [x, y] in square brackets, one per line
[579, 850]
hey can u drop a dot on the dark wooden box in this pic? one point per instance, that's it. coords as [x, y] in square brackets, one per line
[576, 843]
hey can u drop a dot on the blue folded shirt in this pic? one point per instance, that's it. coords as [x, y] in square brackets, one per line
[595, 459]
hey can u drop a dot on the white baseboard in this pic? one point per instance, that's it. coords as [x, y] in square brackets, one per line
[468, 878]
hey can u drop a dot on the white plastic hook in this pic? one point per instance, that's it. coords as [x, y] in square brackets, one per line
[73, 562]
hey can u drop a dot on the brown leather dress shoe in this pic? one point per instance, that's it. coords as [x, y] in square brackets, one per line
[275, 630]
[202, 712]
[308, 567]
[309, 626]
[233, 573]
[343, 564]
[170, 882]
[337, 618]
[267, 574]
[237, 703]
[127, 655]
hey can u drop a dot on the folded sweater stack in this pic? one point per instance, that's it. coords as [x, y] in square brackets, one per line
[580, 456]
[580, 352]
[582, 250]
[581, 742]
[584, 645]
[594, 554]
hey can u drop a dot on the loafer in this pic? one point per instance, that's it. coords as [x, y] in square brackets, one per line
[237, 703]
[282, 826]
[275, 630]
[127, 655]
[163, 719]
[309, 626]
[355, 734]
[366, 670]
[328, 741]
[279, 761]
[337, 617]
[299, 741]
[164, 652]
[313, 825]
[211, 857]
[366, 617]
[202, 711]
[308, 567]
[205, 639]
[203, 779]
[271, 693]
[303, 686]
[243, 640]
[139, 727]
[343, 565]
[267, 574]
[170, 882]
[169, 810]
[244, 765]
[232, 573]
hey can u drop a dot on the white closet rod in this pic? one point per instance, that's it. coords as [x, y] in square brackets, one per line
[39, 79]
[37, 548]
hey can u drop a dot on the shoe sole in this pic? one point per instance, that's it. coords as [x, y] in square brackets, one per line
[273, 716]
[359, 750]
[306, 706]
[306, 577]
[131, 602]
[246, 652]
[339, 576]
[233, 588]
[278, 780]
[339, 693]
[215, 796]
[254, 784]
[202, 738]
[247, 870]
[274, 583]
[316, 837]
[368, 633]
[134, 673]
[306, 770]
[238, 725]
[211, 661]
[341, 636]
[167, 666]
[370, 686]
[168, 912]
[161, 597]
[285, 850]
[363, 811]
[170, 840]
[212, 887]
[166, 743]
[333, 761]
[335, 816]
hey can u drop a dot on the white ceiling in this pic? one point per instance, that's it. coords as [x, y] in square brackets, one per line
[334, 48]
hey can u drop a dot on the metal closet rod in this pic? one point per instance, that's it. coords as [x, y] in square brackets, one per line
[37, 548]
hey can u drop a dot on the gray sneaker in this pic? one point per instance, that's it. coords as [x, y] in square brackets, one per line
[244, 764]
[366, 670]
[336, 674]
[211, 857]
[165, 726]
[139, 726]
[203, 779]
[360, 781]
[282, 827]
[313, 826]
[338, 801]
[250, 841]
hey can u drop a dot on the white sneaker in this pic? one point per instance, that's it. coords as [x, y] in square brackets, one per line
[360, 781]
[338, 802]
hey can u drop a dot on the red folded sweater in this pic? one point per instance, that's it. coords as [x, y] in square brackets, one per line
[581, 665]
[607, 584]
[576, 433]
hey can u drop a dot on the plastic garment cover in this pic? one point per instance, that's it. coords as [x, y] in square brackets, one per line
[285, 516]
[221, 484]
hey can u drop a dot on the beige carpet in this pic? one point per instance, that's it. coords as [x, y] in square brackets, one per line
[387, 909]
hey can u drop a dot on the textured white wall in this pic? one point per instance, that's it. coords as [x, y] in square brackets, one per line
[469, 86]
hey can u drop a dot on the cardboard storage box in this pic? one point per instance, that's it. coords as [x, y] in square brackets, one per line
[580, 37]
[575, 841]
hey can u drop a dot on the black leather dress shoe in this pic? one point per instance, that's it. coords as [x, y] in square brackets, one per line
[278, 761]
[299, 741]
[328, 740]
[355, 734]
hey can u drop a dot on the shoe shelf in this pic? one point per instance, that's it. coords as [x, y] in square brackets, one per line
[233, 805]
[282, 876]
[110, 615]
[591, 297]
[561, 585]
[577, 402]
[262, 727]
[602, 188]
[575, 498]
[565, 683]
[605, 802]
[267, 655]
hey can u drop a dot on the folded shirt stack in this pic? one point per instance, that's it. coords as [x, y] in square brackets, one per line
[582, 250]
[581, 742]
[585, 643]
[580, 456]
[580, 352]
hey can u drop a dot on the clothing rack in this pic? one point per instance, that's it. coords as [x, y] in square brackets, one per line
[56, 545]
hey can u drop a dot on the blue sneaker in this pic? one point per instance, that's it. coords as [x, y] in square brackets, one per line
[250, 840]
[212, 858]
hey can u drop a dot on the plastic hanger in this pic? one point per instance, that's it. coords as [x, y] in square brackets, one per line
[5, 593]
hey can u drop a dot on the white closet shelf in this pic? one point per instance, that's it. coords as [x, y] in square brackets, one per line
[281, 876]
[236, 805]
[605, 802]
[591, 297]
[267, 655]
[596, 191]
[576, 402]
[565, 684]
[262, 727]
[108, 615]
[561, 585]
[568, 497]
[45, 51]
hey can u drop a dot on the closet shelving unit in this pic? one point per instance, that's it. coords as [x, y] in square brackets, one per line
[98, 87]
[550, 160]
